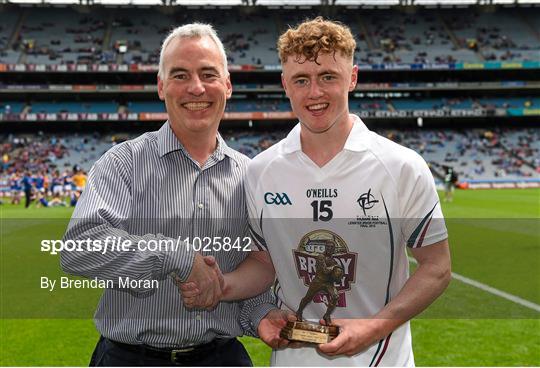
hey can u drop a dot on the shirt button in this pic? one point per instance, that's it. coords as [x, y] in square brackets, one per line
[198, 317]
[200, 205]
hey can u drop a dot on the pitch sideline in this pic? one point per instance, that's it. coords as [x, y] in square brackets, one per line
[492, 290]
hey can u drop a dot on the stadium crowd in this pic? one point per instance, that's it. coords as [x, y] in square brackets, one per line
[51, 169]
[46, 169]
[384, 37]
[275, 104]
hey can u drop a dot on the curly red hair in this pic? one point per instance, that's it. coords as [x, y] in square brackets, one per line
[312, 37]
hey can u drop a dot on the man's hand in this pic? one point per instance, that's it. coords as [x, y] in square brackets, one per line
[429, 280]
[204, 286]
[271, 325]
[252, 277]
[355, 336]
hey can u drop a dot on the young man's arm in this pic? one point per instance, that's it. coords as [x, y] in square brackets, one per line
[421, 289]
[419, 208]
[252, 277]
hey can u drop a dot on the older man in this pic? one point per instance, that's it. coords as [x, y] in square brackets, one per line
[179, 182]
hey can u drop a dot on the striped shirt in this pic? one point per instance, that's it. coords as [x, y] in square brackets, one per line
[146, 190]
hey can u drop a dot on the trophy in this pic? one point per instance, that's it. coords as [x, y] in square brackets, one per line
[327, 272]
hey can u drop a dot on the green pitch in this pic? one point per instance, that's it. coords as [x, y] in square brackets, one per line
[495, 241]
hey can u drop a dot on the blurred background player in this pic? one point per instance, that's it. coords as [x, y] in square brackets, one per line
[41, 199]
[79, 179]
[39, 181]
[450, 181]
[57, 186]
[28, 188]
[16, 188]
[67, 182]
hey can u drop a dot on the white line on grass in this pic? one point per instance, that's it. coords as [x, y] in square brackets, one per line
[491, 290]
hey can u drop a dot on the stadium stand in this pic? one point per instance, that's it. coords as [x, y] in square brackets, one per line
[145, 106]
[457, 83]
[79, 107]
[497, 36]
[56, 36]
[50, 59]
[29, 34]
[12, 107]
[272, 105]
[476, 154]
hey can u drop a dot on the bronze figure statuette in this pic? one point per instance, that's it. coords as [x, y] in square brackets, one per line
[327, 273]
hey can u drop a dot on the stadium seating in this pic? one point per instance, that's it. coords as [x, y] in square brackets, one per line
[139, 107]
[129, 35]
[76, 107]
[474, 154]
[11, 107]
[64, 35]
[269, 105]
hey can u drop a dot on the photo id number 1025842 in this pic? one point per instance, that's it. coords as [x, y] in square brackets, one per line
[218, 244]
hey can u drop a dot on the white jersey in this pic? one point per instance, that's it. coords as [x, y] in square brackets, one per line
[371, 200]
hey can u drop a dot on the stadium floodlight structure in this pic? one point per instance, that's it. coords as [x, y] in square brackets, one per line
[374, 3]
[474, 2]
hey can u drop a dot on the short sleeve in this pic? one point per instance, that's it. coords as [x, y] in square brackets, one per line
[254, 213]
[421, 215]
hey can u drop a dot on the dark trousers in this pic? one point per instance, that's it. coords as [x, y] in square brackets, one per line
[109, 354]
[27, 197]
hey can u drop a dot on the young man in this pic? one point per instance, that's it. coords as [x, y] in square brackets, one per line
[181, 181]
[333, 180]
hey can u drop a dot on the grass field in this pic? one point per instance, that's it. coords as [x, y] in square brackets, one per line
[494, 237]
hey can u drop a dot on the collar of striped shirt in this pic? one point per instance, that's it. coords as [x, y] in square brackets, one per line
[167, 143]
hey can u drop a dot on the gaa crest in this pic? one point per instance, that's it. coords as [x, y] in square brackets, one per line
[316, 243]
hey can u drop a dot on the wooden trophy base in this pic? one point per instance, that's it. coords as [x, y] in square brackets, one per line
[309, 332]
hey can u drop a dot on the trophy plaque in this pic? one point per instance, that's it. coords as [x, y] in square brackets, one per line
[309, 332]
[327, 273]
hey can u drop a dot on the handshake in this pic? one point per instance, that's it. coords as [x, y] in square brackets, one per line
[205, 285]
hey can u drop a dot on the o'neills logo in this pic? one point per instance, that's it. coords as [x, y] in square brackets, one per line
[305, 256]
